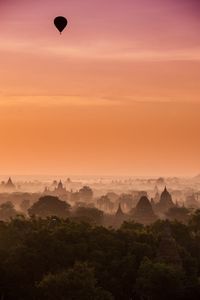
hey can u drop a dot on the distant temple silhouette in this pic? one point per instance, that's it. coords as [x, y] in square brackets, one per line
[119, 212]
[8, 186]
[165, 202]
[120, 217]
[59, 189]
[144, 212]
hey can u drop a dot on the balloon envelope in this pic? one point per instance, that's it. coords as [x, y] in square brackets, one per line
[60, 23]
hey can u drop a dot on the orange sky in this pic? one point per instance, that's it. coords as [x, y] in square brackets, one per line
[117, 93]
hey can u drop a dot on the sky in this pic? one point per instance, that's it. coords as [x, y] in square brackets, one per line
[118, 93]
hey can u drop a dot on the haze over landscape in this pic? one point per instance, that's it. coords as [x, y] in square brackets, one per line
[116, 94]
[99, 154]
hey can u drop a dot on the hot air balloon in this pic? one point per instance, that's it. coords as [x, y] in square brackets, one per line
[60, 23]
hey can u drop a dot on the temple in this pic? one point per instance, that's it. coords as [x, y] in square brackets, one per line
[60, 189]
[165, 202]
[120, 217]
[144, 212]
[8, 186]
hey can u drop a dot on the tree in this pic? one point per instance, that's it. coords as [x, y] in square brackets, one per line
[180, 214]
[86, 194]
[159, 281]
[25, 205]
[74, 284]
[195, 221]
[38, 260]
[88, 214]
[7, 211]
[49, 206]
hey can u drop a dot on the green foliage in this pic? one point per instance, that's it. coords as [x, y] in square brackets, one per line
[87, 214]
[159, 281]
[57, 258]
[195, 221]
[75, 283]
[180, 214]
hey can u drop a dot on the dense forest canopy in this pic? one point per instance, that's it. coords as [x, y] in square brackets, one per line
[57, 258]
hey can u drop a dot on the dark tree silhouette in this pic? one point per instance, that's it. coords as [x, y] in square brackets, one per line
[25, 205]
[7, 211]
[86, 194]
[90, 215]
[49, 206]
[180, 214]
[38, 260]
[77, 283]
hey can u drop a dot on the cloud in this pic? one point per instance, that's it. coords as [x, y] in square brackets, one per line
[56, 100]
[101, 51]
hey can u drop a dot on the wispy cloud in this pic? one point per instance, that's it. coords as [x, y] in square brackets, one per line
[57, 100]
[101, 51]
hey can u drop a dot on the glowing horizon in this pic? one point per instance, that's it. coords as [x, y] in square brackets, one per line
[117, 93]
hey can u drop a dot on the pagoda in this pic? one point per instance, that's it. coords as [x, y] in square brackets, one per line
[143, 212]
[9, 185]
